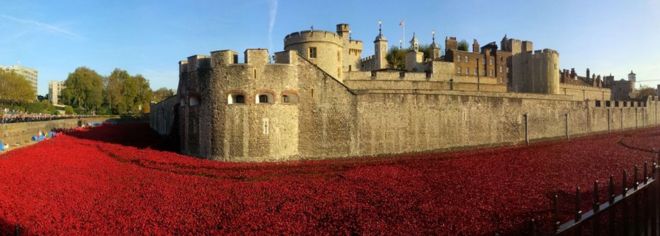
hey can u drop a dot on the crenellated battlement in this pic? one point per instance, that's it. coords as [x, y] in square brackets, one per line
[312, 35]
[252, 56]
[194, 63]
[355, 43]
[547, 51]
[257, 56]
[224, 57]
[286, 57]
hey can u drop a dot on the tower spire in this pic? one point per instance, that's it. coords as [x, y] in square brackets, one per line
[380, 28]
[433, 37]
[414, 44]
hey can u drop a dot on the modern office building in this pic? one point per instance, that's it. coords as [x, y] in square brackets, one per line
[55, 91]
[30, 74]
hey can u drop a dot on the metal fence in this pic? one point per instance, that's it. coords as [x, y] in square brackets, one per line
[631, 208]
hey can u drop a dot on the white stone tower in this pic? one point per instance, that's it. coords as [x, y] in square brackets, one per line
[435, 49]
[632, 78]
[414, 44]
[414, 57]
[380, 48]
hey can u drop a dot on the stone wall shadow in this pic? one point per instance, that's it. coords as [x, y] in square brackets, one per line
[134, 134]
[7, 228]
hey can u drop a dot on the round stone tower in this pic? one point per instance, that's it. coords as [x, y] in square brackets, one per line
[551, 71]
[323, 48]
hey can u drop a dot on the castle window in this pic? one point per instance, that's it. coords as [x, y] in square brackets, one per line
[467, 71]
[500, 69]
[193, 101]
[338, 56]
[289, 98]
[492, 61]
[236, 99]
[466, 59]
[264, 98]
[235, 59]
[459, 70]
[312, 52]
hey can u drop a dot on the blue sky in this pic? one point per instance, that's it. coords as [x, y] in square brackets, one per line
[149, 37]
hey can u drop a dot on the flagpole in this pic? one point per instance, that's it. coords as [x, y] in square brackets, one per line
[403, 38]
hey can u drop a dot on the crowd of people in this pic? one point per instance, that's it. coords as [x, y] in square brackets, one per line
[25, 117]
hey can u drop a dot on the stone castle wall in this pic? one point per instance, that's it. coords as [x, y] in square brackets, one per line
[330, 119]
[586, 92]
[317, 100]
[391, 123]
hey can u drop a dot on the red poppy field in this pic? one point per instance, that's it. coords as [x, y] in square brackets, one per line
[113, 180]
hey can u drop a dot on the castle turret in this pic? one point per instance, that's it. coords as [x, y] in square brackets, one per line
[632, 77]
[527, 46]
[435, 49]
[344, 30]
[504, 44]
[414, 57]
[451, 43]
[380, 49]
[323, 48]
[475, 46]
[414, 44]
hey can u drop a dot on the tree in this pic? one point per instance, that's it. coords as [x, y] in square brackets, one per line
[463, 45]
[645, 92]
[84, 90]
[69, 110]
[396, 57]
[114, 91]
[15, 89]
[162, 94]
[126, 94]
[143, 94]
[43, 107]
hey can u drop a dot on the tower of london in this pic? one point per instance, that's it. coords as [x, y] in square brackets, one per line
[321, 98]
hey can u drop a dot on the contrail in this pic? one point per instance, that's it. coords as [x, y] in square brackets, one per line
[272, 16]
[41, 25]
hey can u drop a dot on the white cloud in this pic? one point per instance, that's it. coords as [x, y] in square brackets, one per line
[272, 17]
[42, 26]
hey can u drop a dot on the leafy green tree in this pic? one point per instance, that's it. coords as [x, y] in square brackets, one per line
[84, 90]
[463, 45]
[161, 94]
[144, 94]
[69, 110]
[396, 57]
[43, 107]
[15, 89]
[114, 91]
[126, 94]
[645, 91]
